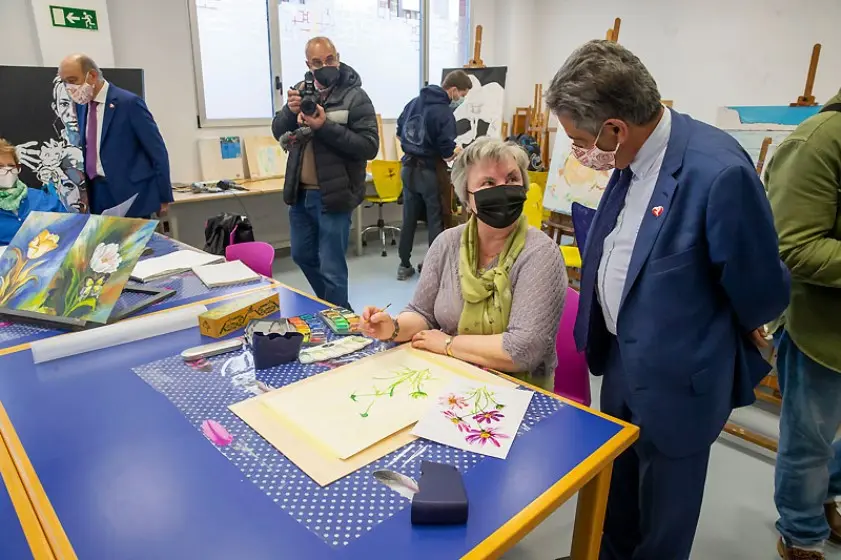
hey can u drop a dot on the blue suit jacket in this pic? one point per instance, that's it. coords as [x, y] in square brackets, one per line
[703, 275]
[132, 152]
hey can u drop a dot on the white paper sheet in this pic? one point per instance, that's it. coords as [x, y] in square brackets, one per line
[225, 274]
[172, 263]
[475, 417]
[2, 250]
[120, 210]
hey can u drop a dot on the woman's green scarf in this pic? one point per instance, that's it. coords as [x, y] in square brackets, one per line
[10, 199]
[487, 296]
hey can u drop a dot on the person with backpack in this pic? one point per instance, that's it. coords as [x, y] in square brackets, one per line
[804, 187]
[427, 132]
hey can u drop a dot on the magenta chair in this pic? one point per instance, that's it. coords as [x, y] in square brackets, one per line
[256, 255]
[572, 378]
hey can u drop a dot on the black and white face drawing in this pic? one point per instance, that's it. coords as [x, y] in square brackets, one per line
[481, 112]
[58, 161]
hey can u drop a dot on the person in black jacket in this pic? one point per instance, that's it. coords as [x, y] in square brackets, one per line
[427, 132]
[325, 173]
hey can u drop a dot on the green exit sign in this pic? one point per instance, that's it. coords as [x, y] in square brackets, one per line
[76, 18]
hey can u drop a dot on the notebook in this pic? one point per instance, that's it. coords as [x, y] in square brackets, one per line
[225, 274]
[172, 263]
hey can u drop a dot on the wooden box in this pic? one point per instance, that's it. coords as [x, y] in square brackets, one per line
[235, 314]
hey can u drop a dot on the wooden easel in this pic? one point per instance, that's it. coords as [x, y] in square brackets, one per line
[613, 34]
[763, 153]
[807, 99]
[476, 61]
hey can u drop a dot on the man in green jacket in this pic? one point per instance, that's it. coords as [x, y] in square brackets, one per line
[804, 187]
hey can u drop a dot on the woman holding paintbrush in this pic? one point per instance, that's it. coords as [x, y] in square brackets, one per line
[492, 290]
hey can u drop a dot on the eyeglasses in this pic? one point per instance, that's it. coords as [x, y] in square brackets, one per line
[14, 170]
[318, 63]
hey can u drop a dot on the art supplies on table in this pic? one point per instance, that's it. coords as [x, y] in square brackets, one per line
[341, 321]
[212, 349]
[311, 327]
[172, 263]
[475, 417]
[225, 274]
[273, 342]
[336, 422]
[236, 314]
[330, 350]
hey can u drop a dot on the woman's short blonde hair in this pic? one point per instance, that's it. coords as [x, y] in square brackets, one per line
[482, 149]
[6, 148]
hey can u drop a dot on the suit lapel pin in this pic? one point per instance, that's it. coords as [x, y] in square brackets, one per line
[111, 106]
[657, 210]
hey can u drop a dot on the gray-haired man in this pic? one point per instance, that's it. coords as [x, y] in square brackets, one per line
[680, 271]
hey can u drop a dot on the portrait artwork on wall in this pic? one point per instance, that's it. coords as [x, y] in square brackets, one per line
[71, 265]
[481, 113]
[39, 118]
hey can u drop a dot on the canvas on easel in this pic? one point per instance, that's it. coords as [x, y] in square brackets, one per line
[569, 181]
[71, 266]
[481, 114]
[264, 158]
[221, 158]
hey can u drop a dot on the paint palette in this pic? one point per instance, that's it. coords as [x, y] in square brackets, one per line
[310, 327]
[335, 349]
[341, 321]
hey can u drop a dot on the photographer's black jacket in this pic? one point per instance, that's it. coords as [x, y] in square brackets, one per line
[342, 147]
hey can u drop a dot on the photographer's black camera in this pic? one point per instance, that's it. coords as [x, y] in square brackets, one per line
[309, 95]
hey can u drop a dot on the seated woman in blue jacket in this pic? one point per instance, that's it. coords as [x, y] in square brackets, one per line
[16, 200]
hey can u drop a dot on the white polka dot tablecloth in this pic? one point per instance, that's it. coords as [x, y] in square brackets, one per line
[14, 331]
[338, 513]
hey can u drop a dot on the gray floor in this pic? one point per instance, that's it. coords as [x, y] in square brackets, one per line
[737, 521]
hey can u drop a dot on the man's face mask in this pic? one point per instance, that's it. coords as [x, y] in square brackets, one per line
[80, 93]
[326, 75]
[596, 158]
[457, 100]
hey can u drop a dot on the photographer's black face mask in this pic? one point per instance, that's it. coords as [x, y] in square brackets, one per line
[499, 207]
[327, 75]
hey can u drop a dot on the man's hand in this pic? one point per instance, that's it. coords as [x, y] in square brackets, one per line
[29, 154]
[758, 338]
[293, 101]
[316, 121]
[164, 208]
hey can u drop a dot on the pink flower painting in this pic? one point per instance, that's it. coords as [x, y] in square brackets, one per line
[457, 420]
[485, 435]
[453, 401]
[488, 416]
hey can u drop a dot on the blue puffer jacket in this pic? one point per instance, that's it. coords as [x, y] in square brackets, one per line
[427, 127]
[34, 201]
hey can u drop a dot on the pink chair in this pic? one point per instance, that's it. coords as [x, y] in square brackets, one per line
[256, 255]
[572, 378]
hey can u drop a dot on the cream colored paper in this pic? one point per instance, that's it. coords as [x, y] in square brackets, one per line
[264, 157]
[309, 452]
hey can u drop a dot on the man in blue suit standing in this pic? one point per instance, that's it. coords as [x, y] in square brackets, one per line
[124, 153]
[680, 273]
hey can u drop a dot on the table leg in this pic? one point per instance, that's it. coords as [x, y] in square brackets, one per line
[358, 220]
[589, 516]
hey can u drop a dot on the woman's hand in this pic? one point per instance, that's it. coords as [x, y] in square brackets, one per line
[433, 341]
[376, 323]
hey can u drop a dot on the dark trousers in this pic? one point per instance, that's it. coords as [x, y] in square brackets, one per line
[655, 500]
[420, 190]
[100, 196]
[319, 244]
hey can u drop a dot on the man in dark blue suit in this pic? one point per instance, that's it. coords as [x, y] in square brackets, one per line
[124, 153]
[680, 273]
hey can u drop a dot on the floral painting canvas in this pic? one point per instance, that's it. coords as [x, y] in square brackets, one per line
[476, 417]
[71, 265]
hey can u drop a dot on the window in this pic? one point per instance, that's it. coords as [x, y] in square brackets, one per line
[449, 36]
[244, 49]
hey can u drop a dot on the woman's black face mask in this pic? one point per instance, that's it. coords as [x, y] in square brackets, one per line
[500, 206]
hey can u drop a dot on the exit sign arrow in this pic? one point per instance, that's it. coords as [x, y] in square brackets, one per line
[74, 18]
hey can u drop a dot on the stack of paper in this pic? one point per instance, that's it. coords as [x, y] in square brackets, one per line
[225, 274]
[172, 263]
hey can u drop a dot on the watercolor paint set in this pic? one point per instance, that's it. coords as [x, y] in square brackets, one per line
[309, 326]
[341, 321]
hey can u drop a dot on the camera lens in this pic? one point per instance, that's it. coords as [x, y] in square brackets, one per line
[308, 106]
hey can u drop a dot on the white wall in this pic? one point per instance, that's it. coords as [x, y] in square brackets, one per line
[57, 42]
[704, 55]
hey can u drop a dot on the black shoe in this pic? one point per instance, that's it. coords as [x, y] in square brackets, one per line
[405, 272]
[420, 268]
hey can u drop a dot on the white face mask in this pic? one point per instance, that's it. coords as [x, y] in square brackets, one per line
[80, 93]
[8, 180]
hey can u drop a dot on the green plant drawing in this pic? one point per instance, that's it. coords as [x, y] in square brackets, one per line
[407, 378]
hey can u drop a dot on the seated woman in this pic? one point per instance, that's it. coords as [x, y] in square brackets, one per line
[16, 200]
[491, 291]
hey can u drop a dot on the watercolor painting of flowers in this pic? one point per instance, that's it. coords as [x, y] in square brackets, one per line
[476, 417]
[71, 265]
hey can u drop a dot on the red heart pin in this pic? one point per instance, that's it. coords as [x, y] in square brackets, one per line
[657, 210]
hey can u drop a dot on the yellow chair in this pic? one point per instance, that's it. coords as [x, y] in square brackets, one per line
[572, 256]
[533, 208]
[386, 178]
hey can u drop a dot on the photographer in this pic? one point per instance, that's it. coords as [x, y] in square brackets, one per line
[330, 130]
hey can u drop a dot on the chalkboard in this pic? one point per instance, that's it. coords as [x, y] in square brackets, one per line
[38, 116]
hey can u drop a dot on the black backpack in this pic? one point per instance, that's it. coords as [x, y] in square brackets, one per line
[226, 229]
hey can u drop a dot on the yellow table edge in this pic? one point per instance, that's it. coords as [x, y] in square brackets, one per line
[493, 546]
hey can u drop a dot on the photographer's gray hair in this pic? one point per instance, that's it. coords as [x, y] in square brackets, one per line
[603, 80]
[482, 149]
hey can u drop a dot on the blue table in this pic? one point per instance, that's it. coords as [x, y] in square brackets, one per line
[128, 475]
[13, 544]
[189, 289]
